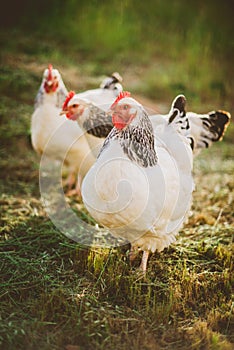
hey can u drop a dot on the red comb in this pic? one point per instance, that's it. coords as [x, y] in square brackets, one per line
[121, 95]
[50, 76]
[68, 98]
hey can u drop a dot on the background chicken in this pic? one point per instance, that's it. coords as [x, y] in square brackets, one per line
[90, 106]
[141, 185]
[113, 83]
[57, 137]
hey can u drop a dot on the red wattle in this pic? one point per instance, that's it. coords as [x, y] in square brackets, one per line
[71, 116]
[118, 122]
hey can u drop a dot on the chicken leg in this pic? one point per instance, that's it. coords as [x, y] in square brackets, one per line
[144, 260]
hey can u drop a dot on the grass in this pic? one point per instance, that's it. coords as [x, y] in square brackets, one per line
[56, 294]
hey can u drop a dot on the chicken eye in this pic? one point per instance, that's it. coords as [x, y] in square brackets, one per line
[75, 105]
[125, 107]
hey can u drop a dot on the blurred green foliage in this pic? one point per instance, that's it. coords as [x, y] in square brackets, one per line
[127, 24]
[187, 45]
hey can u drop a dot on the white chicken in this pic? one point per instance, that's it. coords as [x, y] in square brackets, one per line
[56, 137]
[141, 184]
[93, 119]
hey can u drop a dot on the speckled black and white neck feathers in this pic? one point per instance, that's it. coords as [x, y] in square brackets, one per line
[98, 123]
[136, 140]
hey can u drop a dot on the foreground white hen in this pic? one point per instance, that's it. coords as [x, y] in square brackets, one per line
[91, 106]
[55, 136]
[140, 186]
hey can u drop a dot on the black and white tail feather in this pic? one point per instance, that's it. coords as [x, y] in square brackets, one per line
[113, 83]
[201, 129]
[179, 119]
[208, 128]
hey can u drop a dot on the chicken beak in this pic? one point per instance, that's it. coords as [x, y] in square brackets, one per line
[112, 109]
[49, 82]
[63, 112]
